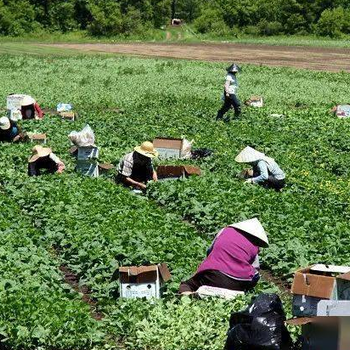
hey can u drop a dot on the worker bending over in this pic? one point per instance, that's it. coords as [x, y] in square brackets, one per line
[136, 168]
[232, 260]
[265, 171]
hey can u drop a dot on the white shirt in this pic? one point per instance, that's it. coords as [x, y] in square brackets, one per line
[233, 87]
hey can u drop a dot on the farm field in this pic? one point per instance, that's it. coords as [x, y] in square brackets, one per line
[91, 226]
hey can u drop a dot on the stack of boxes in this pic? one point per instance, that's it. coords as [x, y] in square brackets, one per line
[87, 161]
[321, 303]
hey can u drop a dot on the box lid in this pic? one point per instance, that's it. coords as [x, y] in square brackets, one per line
[330, 268]
[192, 170]
[144, 273]
[37, 136]
[164, 142]
[334, 320]
[309, 283]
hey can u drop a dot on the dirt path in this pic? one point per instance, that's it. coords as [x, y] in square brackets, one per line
[315, 58]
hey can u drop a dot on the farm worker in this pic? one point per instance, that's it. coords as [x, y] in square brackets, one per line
[30, 109]
[136, 169]
[230, 93]
[43, 158]
[9, 130]
[265, 170]
[232, 261]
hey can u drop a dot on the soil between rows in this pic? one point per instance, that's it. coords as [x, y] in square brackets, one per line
[315, 58]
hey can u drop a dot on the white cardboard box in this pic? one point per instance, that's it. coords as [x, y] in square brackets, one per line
[14, 101]
[168, 148]
[208, 291]
[87, 153]
[142, 281]
[333, 308]
[14, 114]
[87, 169]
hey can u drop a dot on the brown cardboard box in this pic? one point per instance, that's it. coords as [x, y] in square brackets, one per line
[177, 171]
[143, 281]
[37, 138]
[68, 115]
[316, 283]
[168, 147]
[324, 333]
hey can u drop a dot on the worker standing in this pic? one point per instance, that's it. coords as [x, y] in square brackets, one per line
[230, 94]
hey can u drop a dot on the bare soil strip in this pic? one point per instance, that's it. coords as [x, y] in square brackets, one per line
[73, 280]
[315, 58]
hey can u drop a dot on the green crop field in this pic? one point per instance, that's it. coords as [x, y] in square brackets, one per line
[92, 226]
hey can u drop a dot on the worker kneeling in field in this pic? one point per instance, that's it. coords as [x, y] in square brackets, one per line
[30, 109]
[136, 169]
[44, 159]
[232, 260]
[265, 171]
[9, 130]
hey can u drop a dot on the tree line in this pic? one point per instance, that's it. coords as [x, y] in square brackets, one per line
[220, 17]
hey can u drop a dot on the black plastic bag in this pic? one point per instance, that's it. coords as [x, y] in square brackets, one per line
[201, 153]
[259, 327]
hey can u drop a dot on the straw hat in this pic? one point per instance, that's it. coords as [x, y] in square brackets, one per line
[5, 123]
[27, 101]
[249, 155]
[254, 228]
[147, 149]
[39, 152]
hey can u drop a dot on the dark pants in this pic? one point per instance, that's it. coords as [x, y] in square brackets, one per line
[272, 182]
[231, 101]
[216, 278]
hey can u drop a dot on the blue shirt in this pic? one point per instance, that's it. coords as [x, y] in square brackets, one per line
[266, 169]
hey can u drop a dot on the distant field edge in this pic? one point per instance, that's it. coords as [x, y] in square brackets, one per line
[314, 58]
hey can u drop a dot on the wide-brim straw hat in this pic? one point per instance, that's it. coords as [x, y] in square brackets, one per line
[147, 149]
[249, 155]
[5, 123]
[27, 101]
[254, 228]
[39, 152]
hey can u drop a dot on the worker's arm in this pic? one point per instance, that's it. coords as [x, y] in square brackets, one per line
[227, 87]
[133, 183]
[263, 172]
[155, 176]
[60, 164]
[38, 111]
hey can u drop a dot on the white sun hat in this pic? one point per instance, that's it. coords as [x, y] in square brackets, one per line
[5, 123]
[254, 228]
[249, 155]
[27, 101]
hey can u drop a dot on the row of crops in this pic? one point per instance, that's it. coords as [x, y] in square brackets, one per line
[92, 226]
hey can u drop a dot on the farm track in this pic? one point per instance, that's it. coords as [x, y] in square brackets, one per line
[314, 58]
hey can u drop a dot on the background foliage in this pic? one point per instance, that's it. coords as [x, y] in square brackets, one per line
[220, 17]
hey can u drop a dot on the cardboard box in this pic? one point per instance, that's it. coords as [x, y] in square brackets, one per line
[87, 169]
[142, 281]
[177, 171]
[333, 308]
[105, 168]
[316, 283]
[208, 291]
[14, 114]
[168, 148]
[342, 111]
[37, 138]
[324, 333]
[14, 101]
[68, 115]
[255, 101]
[87, 153]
